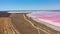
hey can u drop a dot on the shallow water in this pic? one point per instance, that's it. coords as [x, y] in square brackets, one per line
[52, 16]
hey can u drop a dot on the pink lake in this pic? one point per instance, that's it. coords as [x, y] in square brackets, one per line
[52, 17]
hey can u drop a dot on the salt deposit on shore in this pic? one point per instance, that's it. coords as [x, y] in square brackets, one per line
[50, 23]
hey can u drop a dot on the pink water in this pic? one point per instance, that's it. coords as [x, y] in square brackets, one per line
[48, 16]
[51, 16]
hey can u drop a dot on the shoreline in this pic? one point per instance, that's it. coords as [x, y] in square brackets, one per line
[57, 28]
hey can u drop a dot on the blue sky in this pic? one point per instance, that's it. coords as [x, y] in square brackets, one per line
[29, 4]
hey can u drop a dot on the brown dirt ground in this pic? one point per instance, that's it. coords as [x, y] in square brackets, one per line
[5, 27]
[24, 27]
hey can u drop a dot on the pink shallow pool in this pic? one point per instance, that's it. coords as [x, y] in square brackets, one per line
[49, 17]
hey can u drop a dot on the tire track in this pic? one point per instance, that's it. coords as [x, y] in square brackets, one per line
[35, 26]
